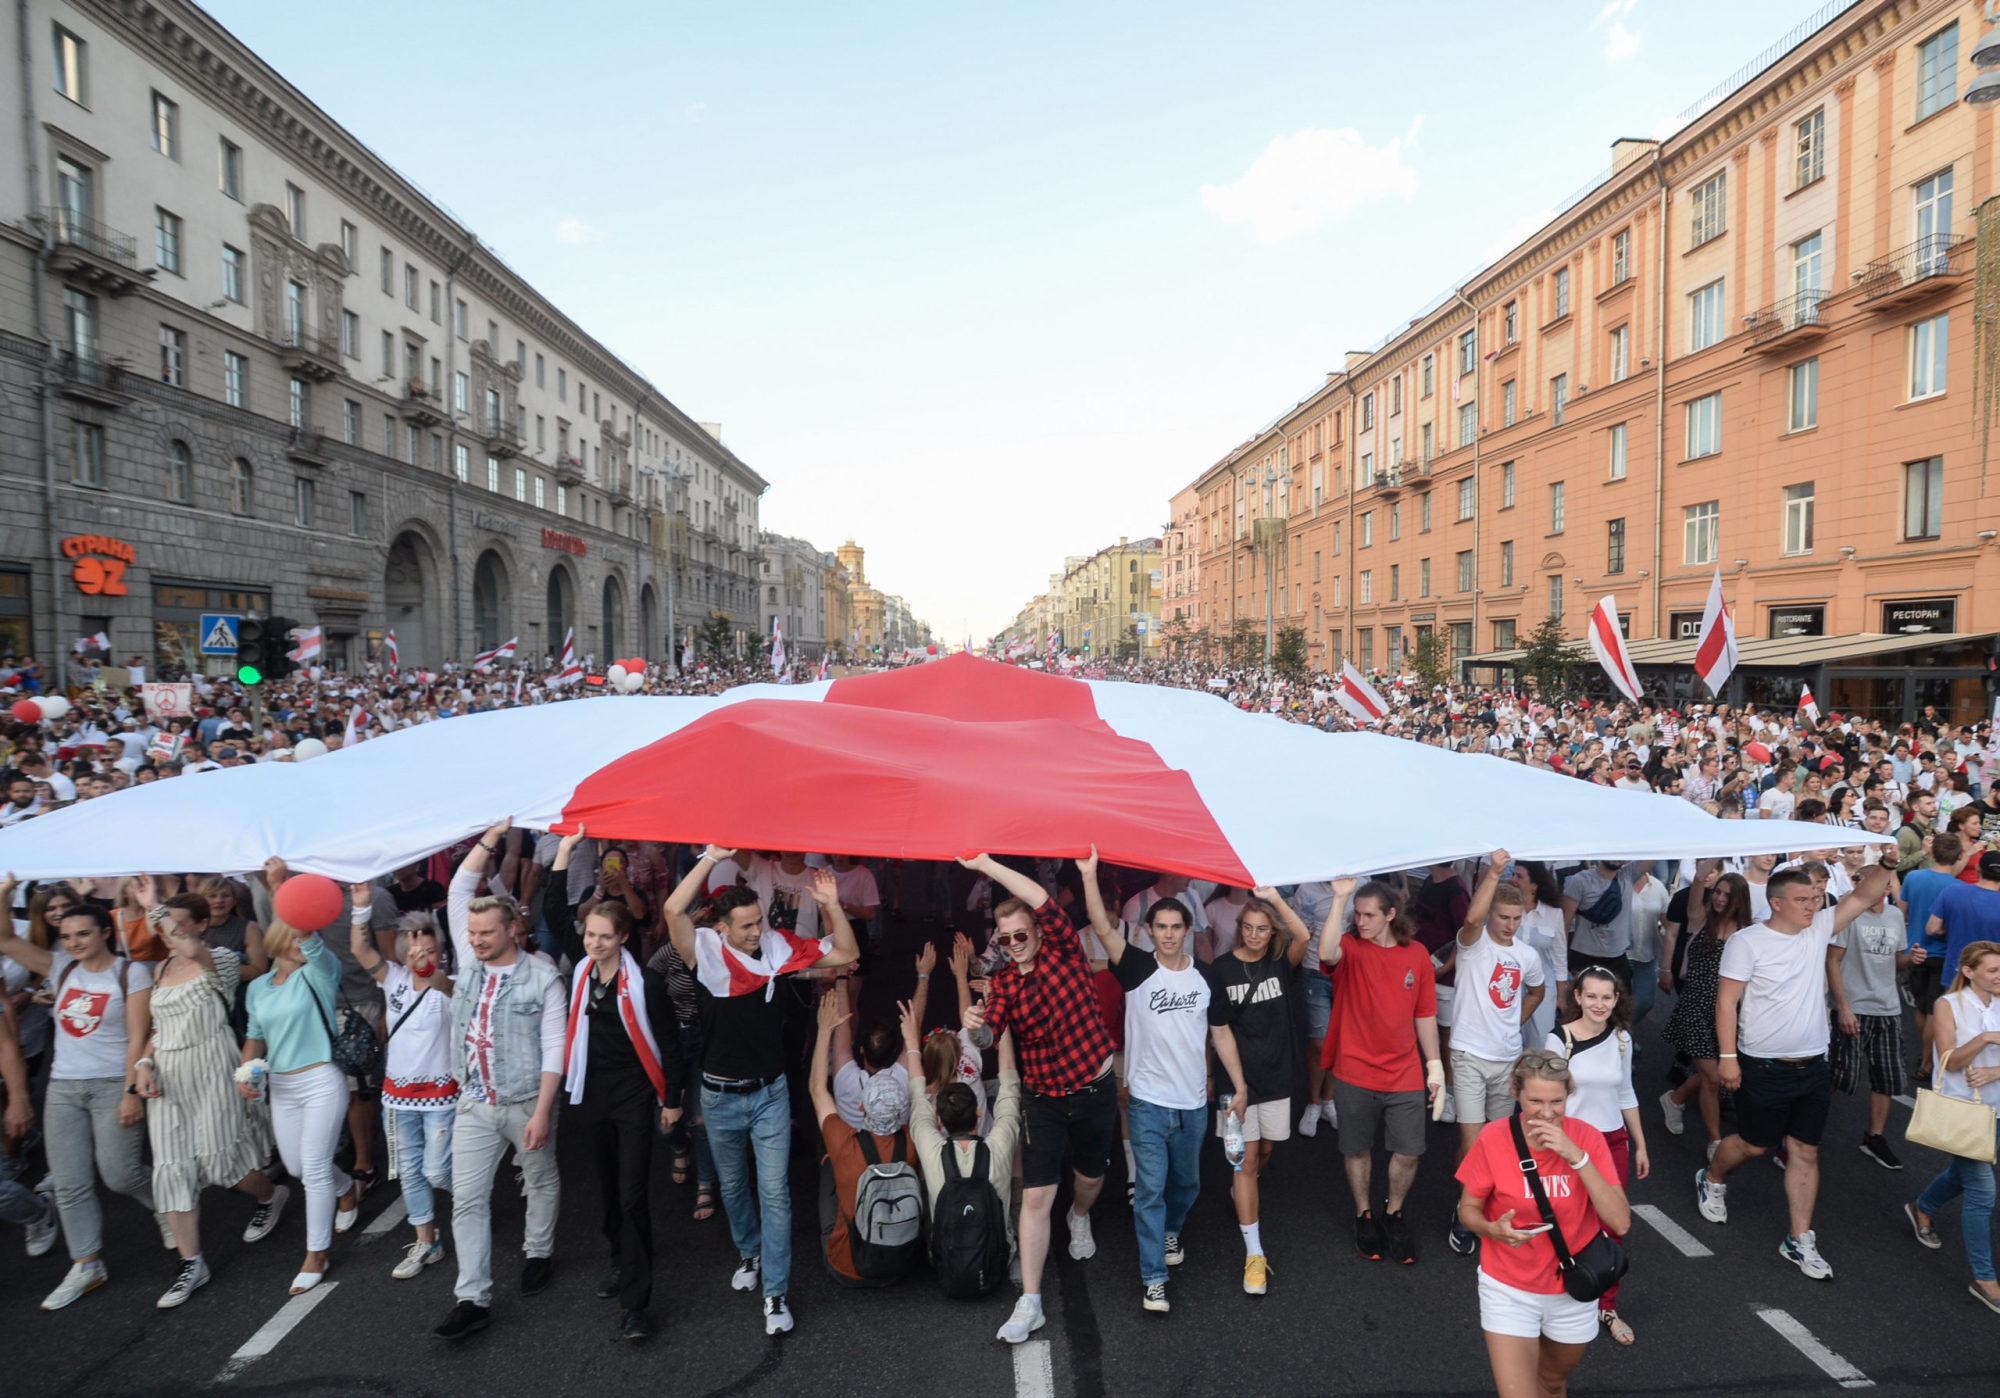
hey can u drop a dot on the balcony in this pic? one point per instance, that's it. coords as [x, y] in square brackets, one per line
[1389, 482]
[90, 380]
[421, 407]
[502, 438]
[620, 490]
[1932, 264]
[88, 253]
[1796, 320]
[308, 448]
[307, 355]
[569, 470]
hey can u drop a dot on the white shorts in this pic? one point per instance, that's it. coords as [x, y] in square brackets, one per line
[1444, 996]
[1481, 1089]
[1264, 1121]
[1531, 1315]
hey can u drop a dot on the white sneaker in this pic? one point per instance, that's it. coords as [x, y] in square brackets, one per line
[749, 1275]
[1674, 1112]
[1309, 1122]
[1710, 1198]
[417, 1256]
[1155, 1297]
[166, 1233]
[193, 1276]
[1081, 1244]
[82, 1277]
[42, 1232]
[1025, 1321]
[1803, 1253]
[265, 1216]
[1329, 1116]
[777, 1315]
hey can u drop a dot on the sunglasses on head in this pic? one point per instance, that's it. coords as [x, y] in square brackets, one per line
[1008, 939]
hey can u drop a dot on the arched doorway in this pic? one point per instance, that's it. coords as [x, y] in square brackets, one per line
[562, 608]
[409, 599]
[614, 608]
[649, 623]
[489, 601]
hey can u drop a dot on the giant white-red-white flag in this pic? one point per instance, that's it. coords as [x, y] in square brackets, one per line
[1715, 654]
[1808, 706]
[1359, 697]
[1607, 642]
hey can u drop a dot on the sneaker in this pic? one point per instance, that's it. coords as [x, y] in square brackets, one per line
[1309, 1122]
[42, 1232]
[266, 1215]
[1369, 1239]
[1803, 1252]
[1983, 1297]
[1780, 1157]
[1155, 1298]
[1711, 1199]
[535, 1273]
[1877, 1150]
[1401, 1246]
[1329, 1116]
[613, 1283]
[777, 1315]
[1025, 1321]
[1463, 1240]
[82, 1277]
[417, 1256]
[191, 1278]
[166, 1233]
[1256, 1274]
[636, 1326]
[1081, 1244]
[1926, 1234]
[749, 1275]
[464, 1319]
[1674, 1112]
[1176, 1254]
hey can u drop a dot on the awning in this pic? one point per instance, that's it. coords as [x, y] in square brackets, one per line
[1789, 652]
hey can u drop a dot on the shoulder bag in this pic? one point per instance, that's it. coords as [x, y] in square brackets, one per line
[1588, 1274]
[1961, 1126]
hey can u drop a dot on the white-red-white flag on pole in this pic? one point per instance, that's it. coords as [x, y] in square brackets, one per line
[519, 675]
[306, 646]
[825, 670]
[1359, 697]
[1808, 706]
[778, 649]
[395, 658]
[1715, 655]
[569, 672]
[1607, 642]
[687, 655]
[357, 719]
[484, 660]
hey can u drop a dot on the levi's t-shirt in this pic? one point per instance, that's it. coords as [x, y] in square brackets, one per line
[1492, 1168]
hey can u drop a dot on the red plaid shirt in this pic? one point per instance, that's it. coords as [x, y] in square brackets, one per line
[1059, 1033]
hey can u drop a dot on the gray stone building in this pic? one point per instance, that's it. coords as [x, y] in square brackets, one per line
[792, 577]
[247, 367]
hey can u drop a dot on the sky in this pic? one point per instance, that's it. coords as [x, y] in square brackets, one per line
[982, 287]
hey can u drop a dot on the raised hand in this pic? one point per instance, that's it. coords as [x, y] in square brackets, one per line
[906, 1014]
[1266, 895]
[980, 862]
[1344, 888]
[961, 955]
[832, 1012]
[1088, 865]
[926, 959]
[362, 894]
[826, 888]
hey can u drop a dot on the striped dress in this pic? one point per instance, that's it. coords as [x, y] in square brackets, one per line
[203, 1132]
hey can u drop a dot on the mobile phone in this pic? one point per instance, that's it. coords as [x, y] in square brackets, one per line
[614, 863]
[1533, 1228]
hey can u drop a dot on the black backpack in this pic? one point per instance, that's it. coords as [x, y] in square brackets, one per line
[968, 1229]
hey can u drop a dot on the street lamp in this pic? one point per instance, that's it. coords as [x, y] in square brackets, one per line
[1270, 537]
[1986, 58]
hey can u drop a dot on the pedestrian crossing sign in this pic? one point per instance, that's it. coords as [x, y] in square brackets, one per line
[218, 633]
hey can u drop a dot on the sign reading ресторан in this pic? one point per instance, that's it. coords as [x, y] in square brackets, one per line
[568, 543]
[1920, 616]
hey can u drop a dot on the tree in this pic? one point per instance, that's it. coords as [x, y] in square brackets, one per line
[1288, 652]
[1246, 643]
[1548, 657]
[717, 636]
[1174, 635]
[1432, 658]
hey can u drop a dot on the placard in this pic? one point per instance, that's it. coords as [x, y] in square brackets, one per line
[163, 701]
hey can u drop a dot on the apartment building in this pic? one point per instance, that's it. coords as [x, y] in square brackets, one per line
[792, 575]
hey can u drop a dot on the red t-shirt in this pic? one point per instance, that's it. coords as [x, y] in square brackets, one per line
[1493, 1169]
[1379, 993]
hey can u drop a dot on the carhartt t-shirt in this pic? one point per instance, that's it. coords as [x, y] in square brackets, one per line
[1166, 1030]
[1486, 1012]
[1783, 1010]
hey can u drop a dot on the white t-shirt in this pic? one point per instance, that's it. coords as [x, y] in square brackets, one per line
[1775, 805]
[1760, 899]
[1543, 930]
[787, 898]
[90, 1015]
[1783, 1010]
[1486, 1018]
[1602, 1071]
[1645, 908]
[1136, 907]
[417, 1063]
[1166, 1030]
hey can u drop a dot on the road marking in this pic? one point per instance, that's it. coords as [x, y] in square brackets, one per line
[274, 1330]
[1687, 1243]
[1831, 1364]
[1909, 1102]
[386, 1220]
[1034, 1373]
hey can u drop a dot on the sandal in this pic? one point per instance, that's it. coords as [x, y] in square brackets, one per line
[1615, 1323]
[704, 1202]
[683, 1165]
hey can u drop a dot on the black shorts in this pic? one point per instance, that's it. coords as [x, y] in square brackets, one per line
[1780, 1099]
[1927, 982]
[1085, 1122]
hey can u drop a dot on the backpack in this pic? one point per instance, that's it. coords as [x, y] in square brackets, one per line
[968, 1229]
[885, 1234]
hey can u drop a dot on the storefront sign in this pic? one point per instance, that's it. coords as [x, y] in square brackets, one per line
[568, 543]
[99, 563]
[1684, 626]
[1921, 616]
[1796, 621]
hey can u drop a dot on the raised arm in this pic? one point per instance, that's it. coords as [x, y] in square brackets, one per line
[1107, 927]
[926, 963]
[1336, 922]
[826, 893]
[1295, 951]
[36, 959]
[1016, 883]
[961, 972]
[1866, 890]
[556, 911]
[361, 936]
[832, 1014]
[680, 927]
[1482, 900]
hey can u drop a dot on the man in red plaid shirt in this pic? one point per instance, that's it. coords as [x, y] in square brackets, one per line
[1045, 994]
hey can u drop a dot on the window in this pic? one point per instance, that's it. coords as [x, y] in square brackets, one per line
[1423, 577]
[1621, 353]
[1561, 293]
[1806, 288]
[295, 311]
[460, 459]
[1468, 351]
[295, 211]
[350, 423]
[1430, 373]
[1465, 505]
[1396, 521]
[240, 483]
[166, 126]
[541, 432]
[1465, 570]
[350, 244]
[493, 337]
[1365, 475]
[562, 501]
[1504, 633]
[173, 356]
[357, 513]
[1704, 425]
[1468, 423]
[86, 453]
[459, 317]
[1618, 452]
[1614, 546]
[437, 304]
[1427, 444]
[389, 355]
[461, 388]
[1934, 223]
[1710, 209]
[562, 385]
[521, 484]
[493, 474]
[1937, 71]
[302, 502]
[1367, 586]
[1556, 595]
[1367, 529]
[1558, 398]
[1506, 563]
[1923, 498]
[1705, 316]
[1701, 529]
[540, 378]
[1395, 582]
[69, 65]
[232, 273]
[1621, 256]
[410, 283]
[235, 379]
[180, 473]
[229, 168]
[350, 334]
[1809, 149]
[1507, 486]
[492, 410]
[167, 241]
[521, 355]
[1799, 518]
[1367, 410]
[1509, 403]
[1396, 395]
[1804, 395]
[1927, 349]
[540, 494]
[300, 402]
[1555, 507]
[388, 272]
[1424, 512]
[1510, 319]
[413, 442]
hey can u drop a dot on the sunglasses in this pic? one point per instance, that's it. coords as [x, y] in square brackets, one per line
[1008, 939]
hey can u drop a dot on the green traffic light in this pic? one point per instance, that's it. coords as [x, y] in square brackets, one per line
[249, 674]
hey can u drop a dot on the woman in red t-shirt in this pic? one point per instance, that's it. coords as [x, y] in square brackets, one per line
[1536, 1331]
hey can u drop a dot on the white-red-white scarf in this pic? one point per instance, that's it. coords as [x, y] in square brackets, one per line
[631, 1009]
[726, 972]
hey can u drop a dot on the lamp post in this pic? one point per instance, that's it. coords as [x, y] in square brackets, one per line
[1269, 538]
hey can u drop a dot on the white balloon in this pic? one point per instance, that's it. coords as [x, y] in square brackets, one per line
[634, 683]
[308, 748]
[616, 674]
[55, 706]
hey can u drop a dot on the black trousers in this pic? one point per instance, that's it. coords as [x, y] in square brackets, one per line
[621, 1127]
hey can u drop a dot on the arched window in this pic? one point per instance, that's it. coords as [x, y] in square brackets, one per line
[180, 473]
[240, 481]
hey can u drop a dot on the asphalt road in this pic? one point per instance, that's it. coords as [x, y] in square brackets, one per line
[1895, 1315]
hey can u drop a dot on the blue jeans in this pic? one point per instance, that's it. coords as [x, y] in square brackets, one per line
[746, 1130]
[1973, 1179]
[1166, 1151]
[18, 1203]
[420, 1157]
[1645, 987]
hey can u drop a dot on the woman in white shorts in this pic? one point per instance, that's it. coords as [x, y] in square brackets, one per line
[1536, 1331]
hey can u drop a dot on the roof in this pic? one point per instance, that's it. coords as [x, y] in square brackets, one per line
[1789, 651]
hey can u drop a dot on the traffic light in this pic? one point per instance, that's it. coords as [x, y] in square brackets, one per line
[250, 634]
[277, 640]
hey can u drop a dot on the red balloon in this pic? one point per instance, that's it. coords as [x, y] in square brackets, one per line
[1757, 751]
[635, 666]
[307, 902]
[27, 711]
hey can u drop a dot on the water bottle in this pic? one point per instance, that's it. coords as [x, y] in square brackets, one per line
[1232, 1132]
[260, 1078]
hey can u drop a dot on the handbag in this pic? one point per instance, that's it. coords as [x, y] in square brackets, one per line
[1588, 1274]
[1961, 1126]
[357, 1051]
